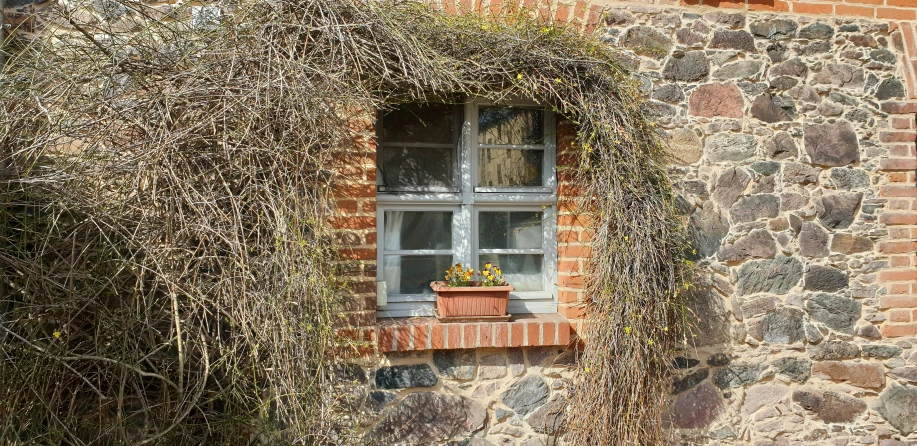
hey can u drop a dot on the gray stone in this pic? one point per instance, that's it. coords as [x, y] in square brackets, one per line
[537, 356]
[765, 167]
[778, 276]
[813, 48]
[832, 144]
[838, 313]
[516, 361]
[526, 395]
[722, 147]
[403, 376]
[776, 51]
[646, 41]
[109, 9]
[754, 207]
[681, 362]
[758, 306]
[734, 20]
[427, 417]
[753, 88]
[907, 373]
[698, 408]
[817, 31]
[773, 28]
[743, 69]
[798, 173]
[850, 244]
[455, 364]
[898, 405]
[868, 331]
[848, 28]
[551, 417]
[763, 395]
[688, 37]
[736, 40]
[840, 75]
[737, 375]
[619, 17]
[837, 211]
[824, 278]
[832, 407]
[685, 146]
[890, 88]
[501, 414]
[770, 108]
[783, 326]
[781, 146]
[690, 380]
[492, 367]
[729, 186]
[757, 244]
[797, 369]
[881, 351]
[708, 227]
[722, 433]
[718, 360]
[691, 66]
[784, 83]
[848, 179]
[883, 56]
[813, 333]
[813, 240]
[668, 93]
[793, 68]
[376, 400]
[834, 349]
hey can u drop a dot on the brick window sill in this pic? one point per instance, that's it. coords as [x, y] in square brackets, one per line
[427, 333]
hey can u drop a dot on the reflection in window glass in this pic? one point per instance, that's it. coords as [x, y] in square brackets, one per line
[410, 230]
[510, 125]
[510, 167]
[522, 271]
[510, 230]
[413, 274]
[417, 166]
[421, 123]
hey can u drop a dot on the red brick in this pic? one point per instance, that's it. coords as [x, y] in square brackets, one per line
[533, 332]
[897, 136]
[420, 336]
[898, 247]
[898, 288]
[867, 2]
[860, 11]
[346, 206]
[899, 261]
[570, 281]
[486, 337]
[562, 14]
[354, 190]
[886, 302]
[898, 191]
[914, 315]
[902, 123]
[469, 335]
[899, 108]
[595, 14]
[563, 333]
[898, 164]
[352, 222]
[403, 335]
[358, 254]
[810, 8]
[895, 14]
[501, 335]
[768, 5]
[548, 333]
[516, 335]
[567, 297]
[909, 3]
[899, 330]
[903, 150]
[575, 312]
[897, 177]
[438, 336]
[899, 315]
[455, 336]
[386, 338]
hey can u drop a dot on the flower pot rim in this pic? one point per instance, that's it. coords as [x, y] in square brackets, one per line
[440, 286]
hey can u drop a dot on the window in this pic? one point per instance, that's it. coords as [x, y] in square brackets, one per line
[466, 183]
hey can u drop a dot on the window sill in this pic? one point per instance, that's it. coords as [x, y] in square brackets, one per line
[427, 333]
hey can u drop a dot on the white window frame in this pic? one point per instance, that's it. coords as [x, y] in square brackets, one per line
[467, 204]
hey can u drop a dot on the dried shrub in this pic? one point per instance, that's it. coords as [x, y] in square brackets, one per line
[165, 198]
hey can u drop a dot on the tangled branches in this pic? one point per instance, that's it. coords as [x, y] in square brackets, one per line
[165, 197]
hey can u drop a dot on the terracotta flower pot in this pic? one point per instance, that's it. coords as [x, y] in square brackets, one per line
[471, 300]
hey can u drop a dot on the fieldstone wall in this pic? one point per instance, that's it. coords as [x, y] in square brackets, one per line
[476, 397]
[776, 126]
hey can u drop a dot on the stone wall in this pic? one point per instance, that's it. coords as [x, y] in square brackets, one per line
[780, 129]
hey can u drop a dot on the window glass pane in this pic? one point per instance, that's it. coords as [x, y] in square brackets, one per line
[413, 274]
[510, 125]
[417, 166]
[409, 230]
[420, 123]
[510, 230]
[510, 167]
[522, 271]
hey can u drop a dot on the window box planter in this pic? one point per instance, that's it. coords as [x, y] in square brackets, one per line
[471, 301]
